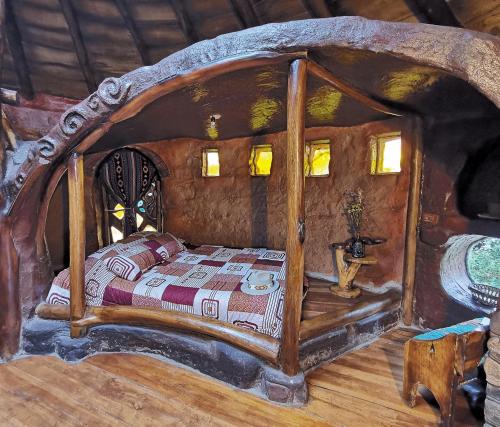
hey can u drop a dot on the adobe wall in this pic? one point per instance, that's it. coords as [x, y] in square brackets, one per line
[236, 209]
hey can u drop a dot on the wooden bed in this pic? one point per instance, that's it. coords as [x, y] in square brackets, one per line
[280, 350]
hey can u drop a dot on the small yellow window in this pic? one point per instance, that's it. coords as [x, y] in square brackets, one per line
[317, 158]
[211, 165]
[261, 160]
[385, 154]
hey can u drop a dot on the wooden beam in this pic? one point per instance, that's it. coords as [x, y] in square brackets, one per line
[324, 74]
[8, 96]
[80, 50]
[129, 21]
[245, 12]
[7, 130]
[436, 12]
[77, 241]
[17, 51]
[257, 343]
[184, 21]
[412, 222]
[292, 307]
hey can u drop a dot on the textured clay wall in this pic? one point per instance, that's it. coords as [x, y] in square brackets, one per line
[236, 209]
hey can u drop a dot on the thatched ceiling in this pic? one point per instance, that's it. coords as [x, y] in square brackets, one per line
[67, 47]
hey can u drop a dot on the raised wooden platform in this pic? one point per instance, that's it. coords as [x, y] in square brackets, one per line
[362, 388]
[320, 300]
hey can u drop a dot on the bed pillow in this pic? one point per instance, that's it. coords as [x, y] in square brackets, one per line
[131, 266]
[167, 245]
[138, 258]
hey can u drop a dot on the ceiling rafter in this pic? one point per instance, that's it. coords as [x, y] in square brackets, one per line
[184, 21]
[76, 35]
[436, 12]
[246, 13]
[129, 21]
[17, 51]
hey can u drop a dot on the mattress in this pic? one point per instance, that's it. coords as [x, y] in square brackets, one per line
[208, 281]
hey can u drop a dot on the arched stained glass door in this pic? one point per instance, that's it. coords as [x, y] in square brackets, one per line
[130, 187]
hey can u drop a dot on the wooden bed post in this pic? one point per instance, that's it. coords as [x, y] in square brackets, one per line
[77, 242]
[297, 79]
[412, 218]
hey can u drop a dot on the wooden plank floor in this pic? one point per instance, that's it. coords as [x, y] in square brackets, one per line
[359, 389]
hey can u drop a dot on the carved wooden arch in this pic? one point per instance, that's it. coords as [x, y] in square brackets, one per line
[460, 52]
[465, 54]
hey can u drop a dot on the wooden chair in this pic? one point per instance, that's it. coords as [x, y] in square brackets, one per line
[440, 360]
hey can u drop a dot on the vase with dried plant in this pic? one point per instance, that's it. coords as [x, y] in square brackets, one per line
[354, 206]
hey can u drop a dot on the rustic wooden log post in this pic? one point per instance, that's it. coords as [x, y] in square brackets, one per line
[492, 369]
[412, 218]
[292, 309]
[77, 241]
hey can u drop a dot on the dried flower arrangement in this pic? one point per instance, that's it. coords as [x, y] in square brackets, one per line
[353, 210]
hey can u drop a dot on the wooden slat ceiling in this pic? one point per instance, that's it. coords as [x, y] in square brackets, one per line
[70, 46]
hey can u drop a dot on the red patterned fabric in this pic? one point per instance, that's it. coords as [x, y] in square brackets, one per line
[141, 256]
[206, 281]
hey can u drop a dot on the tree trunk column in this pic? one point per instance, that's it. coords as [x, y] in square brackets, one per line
[492, 368]
[295, 229]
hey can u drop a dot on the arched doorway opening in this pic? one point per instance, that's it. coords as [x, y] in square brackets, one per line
[129, 183]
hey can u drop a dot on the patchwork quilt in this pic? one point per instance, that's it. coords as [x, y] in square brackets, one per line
[205, 281]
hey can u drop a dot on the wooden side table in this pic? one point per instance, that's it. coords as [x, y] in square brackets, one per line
[347, 267]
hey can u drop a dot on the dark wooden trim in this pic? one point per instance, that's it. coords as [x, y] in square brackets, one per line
[76, 189]
[17, 51]
[245, 12]
[129, 21]
[184, 21]
[436, 12]
[80, 50]
[199, 75]
[412, 221]
[259, 344]
[292, 306]
[324, 74]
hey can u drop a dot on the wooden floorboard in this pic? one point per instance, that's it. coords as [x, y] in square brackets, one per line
[362, 388]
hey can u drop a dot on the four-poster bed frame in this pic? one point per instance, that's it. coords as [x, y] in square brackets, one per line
[283, 353]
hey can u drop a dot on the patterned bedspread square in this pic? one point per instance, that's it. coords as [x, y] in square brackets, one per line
[205, 281]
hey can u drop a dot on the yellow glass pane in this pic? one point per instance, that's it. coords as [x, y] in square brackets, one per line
[119, 211]
[138, 219]
[149, 228]
[320, 160]
[116, 234]
[261, 160]
[211, 165]
[391, 156]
